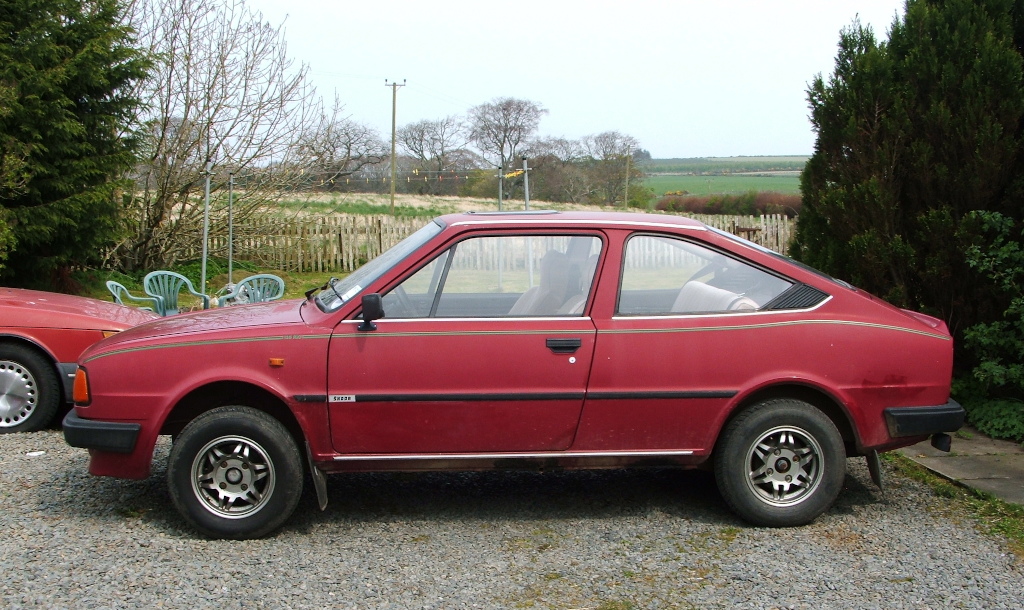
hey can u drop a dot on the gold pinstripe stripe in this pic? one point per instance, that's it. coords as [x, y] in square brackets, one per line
[465, 333]
[493, 333]
[145, 348]
[775, 324]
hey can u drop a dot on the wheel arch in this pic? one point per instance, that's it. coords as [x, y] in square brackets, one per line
[7, 339]
[28, 342]
[222, 393]
[820, 399]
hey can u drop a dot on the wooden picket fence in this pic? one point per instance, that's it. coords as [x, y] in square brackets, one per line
[342, 243]
[773, 231]
[337, 243]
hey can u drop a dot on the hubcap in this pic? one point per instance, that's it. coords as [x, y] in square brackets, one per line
[233, 477]
[17, 394]
[784, 466]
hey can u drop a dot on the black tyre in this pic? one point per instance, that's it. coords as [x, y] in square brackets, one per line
[781, 463]
[235, 472]
[29, 389]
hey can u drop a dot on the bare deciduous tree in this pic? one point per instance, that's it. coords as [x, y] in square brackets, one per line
[565, 150]
[561, 169]
[501, 127]
[339, 147]
[438, 147]
[610, 151]
[222, 92]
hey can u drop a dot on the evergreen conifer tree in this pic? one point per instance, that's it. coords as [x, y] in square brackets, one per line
[69, 69]
[913, 134]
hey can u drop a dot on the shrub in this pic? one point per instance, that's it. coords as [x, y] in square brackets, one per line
[749, 203]
[993, 391]
[998, 418]
[640, 197]
[214, 266]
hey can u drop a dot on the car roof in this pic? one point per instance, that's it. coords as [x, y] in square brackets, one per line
[552, 218]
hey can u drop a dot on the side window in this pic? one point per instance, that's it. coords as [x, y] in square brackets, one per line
[501, 276]
[665, 276]
[415, 297]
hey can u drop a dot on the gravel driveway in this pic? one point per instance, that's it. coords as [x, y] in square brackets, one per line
[608, 540]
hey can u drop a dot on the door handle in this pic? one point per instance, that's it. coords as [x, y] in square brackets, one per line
[564, 346]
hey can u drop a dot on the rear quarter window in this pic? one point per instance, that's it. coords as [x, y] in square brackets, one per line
[664, 275]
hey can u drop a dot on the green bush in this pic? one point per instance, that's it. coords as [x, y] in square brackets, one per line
[992, 395]
[214, 267]
[998, 345]
[640, 197]
[750, 203]
[998, 418]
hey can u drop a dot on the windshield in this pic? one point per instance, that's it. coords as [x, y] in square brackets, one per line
[338, 292]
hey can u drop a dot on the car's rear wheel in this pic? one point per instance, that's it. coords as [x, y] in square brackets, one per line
[235, 472]
[29, 389]
[780, 463]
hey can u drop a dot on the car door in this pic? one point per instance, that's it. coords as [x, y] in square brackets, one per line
[485, 348]
[690, 326]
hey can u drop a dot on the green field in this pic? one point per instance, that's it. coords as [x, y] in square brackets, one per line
[724, 165]
[723, 184]
[724, 175]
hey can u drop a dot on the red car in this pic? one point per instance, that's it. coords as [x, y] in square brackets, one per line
[524, 340]
[42, 334]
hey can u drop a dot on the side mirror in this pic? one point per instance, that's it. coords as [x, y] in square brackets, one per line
[373, 309]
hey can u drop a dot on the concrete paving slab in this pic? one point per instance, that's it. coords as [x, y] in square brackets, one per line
[999, 475]
[986, 464]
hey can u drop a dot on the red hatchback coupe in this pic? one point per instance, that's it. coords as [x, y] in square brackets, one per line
[42, 334]
[524, 340]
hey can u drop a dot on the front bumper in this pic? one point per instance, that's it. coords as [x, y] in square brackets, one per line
[113, 437]
[923, 421]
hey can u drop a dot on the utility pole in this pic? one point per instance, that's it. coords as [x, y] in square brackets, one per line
[526, 183]
[625, 196]
[501, 185]
[206, 225]
[231, 228]
[394, 113]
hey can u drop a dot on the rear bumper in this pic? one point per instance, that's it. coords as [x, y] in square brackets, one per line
[113, 437]
[923, 421]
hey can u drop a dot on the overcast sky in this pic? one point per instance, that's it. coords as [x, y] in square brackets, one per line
[686, 78]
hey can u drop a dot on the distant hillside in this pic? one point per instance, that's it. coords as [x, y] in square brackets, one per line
[725, 165]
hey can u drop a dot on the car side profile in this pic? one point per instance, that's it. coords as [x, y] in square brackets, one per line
[524, 340]
[42, 334]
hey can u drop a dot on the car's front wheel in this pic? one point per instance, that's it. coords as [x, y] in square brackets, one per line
[235, 472]
[780, 463]
[29, 389]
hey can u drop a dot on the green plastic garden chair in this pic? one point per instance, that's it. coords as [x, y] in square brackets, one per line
[254, 289]
[121, 295]
[165, 286]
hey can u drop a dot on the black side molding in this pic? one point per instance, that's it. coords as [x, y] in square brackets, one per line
[922, 421]
[310, 397]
